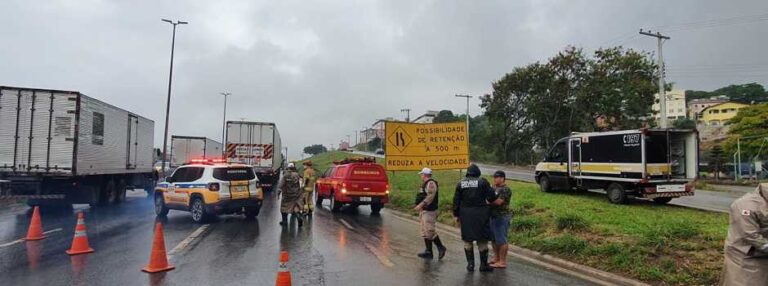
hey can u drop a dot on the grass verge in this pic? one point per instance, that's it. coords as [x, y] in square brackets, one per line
[661, 245]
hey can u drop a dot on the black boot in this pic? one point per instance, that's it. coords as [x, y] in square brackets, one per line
[427, 254]
[484, 267]
[284, 221]
[470, 259]
[440, 247]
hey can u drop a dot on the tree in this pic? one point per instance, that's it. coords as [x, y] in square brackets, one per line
[684, 123]
[717, 159]
[445, 116]
[537, 104]
[375, 143]
[743, 93]
[751, 125]
[315, 149]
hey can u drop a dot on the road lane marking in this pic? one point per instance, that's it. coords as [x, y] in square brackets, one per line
[22, 240]
[381, 256]
[346, 224]
[187, 241]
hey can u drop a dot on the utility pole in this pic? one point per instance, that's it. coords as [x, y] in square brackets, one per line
[662, 88]
[467, 97]
[224, 125]
[168, 102]
[407, 114]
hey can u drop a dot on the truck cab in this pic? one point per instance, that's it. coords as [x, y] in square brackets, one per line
[657, 164]
[356, 181]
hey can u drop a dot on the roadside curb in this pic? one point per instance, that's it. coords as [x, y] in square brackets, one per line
[590, 274]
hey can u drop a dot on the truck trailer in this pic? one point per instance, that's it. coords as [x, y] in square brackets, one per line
[61, 147]
[256, 144]
[657, 164]
[186, 148]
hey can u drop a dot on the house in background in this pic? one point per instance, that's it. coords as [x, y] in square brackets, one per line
[675, 105]
[719, 114]
[697, 105]
[427, 117]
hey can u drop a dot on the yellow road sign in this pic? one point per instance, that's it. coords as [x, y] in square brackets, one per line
[438, 146]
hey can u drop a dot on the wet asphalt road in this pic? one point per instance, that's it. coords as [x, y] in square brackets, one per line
[347, 248]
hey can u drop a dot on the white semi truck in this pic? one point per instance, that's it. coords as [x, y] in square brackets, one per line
[61, 147]
[186, 148]
[256, 144]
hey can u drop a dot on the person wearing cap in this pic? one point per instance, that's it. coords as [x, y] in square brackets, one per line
[746, 247]
[290, 189]
[471, 210]
[310, 177]
[426, 205]
[500, 216]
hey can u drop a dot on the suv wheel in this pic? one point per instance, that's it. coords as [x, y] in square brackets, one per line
[252, 212]
[198, 210]
[160, 208]
[544, 184]
[616, 193]
[376, 208]
[335, 206]
[318, 198]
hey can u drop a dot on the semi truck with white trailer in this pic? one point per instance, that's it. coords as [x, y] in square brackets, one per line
[61, 147]
[186, 148]
[657, 164]
[256, 144]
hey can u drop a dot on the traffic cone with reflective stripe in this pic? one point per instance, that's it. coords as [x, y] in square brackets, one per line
[80, 241]
[158, 260]
[35, 231]
[283, 275]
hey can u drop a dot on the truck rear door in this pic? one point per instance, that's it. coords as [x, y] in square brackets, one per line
[37, 130]
[133, 142]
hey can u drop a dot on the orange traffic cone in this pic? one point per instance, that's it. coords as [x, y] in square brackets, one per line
[35, 231]
[158, 260]
[80, 241]
[283, 275]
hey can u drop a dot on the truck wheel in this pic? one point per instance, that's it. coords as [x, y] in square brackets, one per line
[160, 209]
[376, 208]
[122, 189]
[108, 193]
[335, 206]
[661, 201]
[616, 193]
[198, 210]
[544, 184]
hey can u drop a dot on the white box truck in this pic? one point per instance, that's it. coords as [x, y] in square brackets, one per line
[61, 147]
[186, 148]
[657, 164]
[256, 144]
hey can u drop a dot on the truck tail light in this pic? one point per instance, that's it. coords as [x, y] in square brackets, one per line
[649, 190]
[689, 188]
[214, 187]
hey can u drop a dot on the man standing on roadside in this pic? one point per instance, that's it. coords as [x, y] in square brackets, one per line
[290, 189]
[746, 247]
[472, 212]
[500, 216]
[426, 205]
[310, 177]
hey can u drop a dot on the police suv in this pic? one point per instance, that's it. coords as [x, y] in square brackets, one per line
[210, 187]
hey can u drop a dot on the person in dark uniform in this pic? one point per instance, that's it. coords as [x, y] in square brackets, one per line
[471, 210]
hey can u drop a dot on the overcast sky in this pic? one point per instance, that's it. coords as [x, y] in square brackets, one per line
[322, 69]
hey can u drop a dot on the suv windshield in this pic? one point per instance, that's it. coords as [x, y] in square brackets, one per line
[234, 174]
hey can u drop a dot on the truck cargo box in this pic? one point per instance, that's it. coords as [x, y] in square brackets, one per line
[66, 133]
[186, 148]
